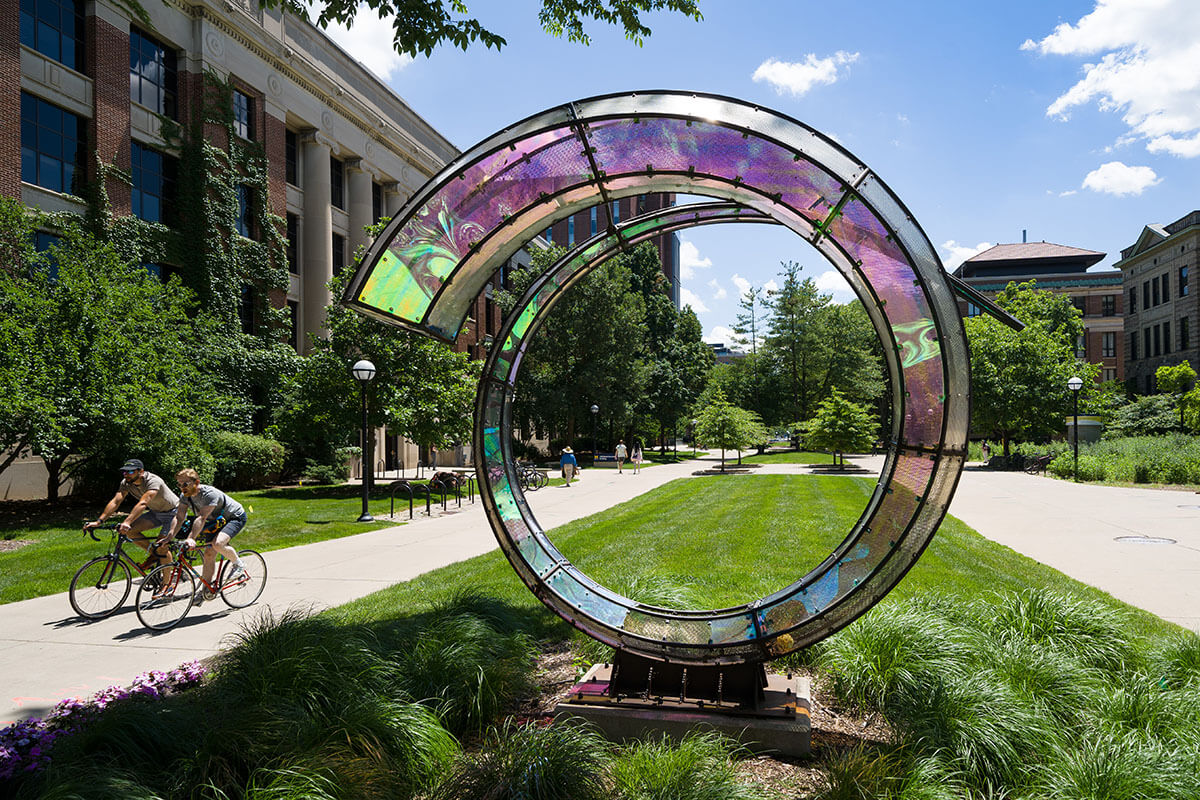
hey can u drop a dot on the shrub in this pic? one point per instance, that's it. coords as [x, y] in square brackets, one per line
[1146, 416]
[701, 767]
[528, 762]
[244, 461]
[323, 473]
[1143, 459]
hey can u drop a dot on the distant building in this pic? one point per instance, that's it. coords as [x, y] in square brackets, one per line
[724, 354]
[585, 224]
[1062, 270]
[1163, 311]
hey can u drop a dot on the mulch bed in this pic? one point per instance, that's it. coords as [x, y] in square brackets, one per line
[8, 545]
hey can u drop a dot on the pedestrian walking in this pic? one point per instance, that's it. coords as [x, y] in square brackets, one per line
[637, 457]
[622, 453]
[568, 464]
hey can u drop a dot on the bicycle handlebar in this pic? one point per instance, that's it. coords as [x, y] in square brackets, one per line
[111, 526]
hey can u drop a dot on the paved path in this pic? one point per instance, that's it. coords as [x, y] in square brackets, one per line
[46, 653]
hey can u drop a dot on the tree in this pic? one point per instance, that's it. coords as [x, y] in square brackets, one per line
[418, 26]
[1019, 378]
[722, 424]
[1176, 381]
[795, 340]
[841, 426]
[1153, 415]
[102, 364]
[422, 389]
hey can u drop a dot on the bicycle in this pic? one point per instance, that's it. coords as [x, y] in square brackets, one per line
[166, 595]
[530, 479]
[101, 585]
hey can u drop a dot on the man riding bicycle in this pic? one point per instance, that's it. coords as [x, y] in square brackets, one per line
[218, 519]
[155, 507]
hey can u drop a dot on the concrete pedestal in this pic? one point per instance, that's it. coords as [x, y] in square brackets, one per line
[780, 724]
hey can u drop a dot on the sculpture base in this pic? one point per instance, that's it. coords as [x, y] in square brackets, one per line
[778, 723]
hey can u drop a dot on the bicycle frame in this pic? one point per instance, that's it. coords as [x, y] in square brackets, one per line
[181, 562]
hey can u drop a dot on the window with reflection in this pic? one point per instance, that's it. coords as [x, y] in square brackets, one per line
[153, 190]
[52, 146]
[54, 28]
[152, 78]
[243, 114]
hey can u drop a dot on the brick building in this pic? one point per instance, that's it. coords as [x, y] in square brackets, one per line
[1163, 309]
[81, 77]
[1062, 270]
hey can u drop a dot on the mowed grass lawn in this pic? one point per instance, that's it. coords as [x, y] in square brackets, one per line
[788, 457]
[280, 517]
[730, 539]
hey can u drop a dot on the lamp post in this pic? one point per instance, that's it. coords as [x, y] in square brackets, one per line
[363, 372]
[695, 422]
[595, 411]
[1075, 384]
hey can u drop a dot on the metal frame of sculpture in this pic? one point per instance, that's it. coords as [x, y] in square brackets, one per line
[434, 258]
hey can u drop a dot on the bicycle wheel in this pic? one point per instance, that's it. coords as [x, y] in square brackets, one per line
[245, 590]
[529, 481]
[165, 597]
[100, 587]
[542, 479]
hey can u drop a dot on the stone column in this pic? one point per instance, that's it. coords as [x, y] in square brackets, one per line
[316, 266]
[360, 203]
[393, 198]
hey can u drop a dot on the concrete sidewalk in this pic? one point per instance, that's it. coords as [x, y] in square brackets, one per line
[47, 654]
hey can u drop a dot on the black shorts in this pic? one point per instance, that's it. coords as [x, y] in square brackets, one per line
[230, 526]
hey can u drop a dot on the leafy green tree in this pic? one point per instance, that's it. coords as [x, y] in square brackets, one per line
[796, 340]
[1019, 378]
[721, 424]
[422, 389]
[1153, 415]
[102, 364]
[854, 363]
[1176, 381]
[418, 26]
[841, 426]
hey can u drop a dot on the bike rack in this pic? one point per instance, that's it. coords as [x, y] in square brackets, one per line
[411, 488]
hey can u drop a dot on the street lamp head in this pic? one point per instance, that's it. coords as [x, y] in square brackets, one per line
[1075, 384]
[363, 370]
[595, 409]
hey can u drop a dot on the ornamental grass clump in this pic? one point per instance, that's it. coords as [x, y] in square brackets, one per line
[563, 761]
[888, 773]
[1176, 661]
[701, 767]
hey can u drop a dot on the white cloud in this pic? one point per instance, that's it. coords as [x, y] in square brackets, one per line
[719, 292]
[832, 282]
[720, 335]
[369, 41]
[1067, 193]
[1147, 69]
[798, 77]
[1120, 179]
[771, 286]
[688, 298]
[741, 283]
[959, 253]
[690, 260]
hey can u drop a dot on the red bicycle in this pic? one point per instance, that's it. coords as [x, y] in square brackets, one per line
[167, 593]
[101, 585]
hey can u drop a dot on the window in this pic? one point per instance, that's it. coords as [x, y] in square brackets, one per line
[153, 176]
[45, 243]
[1166, 326]
[376, 202]
[616, 211]
[243, 115]
[1146, 340]
[1165, 279]
[245, 213]
[571, 231]
[339, 253]
[1080, 303]
[1133, 347]
[1146, 295]
[1108, 345]
[1108, 305]
[294, 312]
[246, 310]
[55, 29]
[151, 74]
[1108, 374]
[1133, 301]
[1157, 340]
[52, 146]
[1081, 346]
[1183, 281]
[1184, 334]
[293, 243]
[973, 310]
[337, 183]
[593, 221]
[291, 158]
[1154, 290]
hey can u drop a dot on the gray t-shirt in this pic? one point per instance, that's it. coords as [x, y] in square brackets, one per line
[166, 500]
[212, 496]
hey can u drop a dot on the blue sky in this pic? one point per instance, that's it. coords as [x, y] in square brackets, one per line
[1076, 121]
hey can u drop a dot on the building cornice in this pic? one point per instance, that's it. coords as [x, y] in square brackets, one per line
[1150, 251]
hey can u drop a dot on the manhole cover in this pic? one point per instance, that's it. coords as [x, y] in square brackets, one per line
[1144, 540]
[1189, 507]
